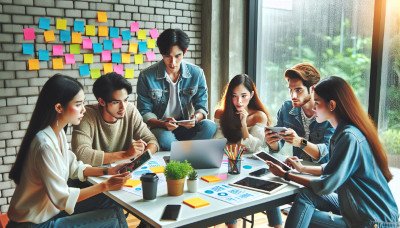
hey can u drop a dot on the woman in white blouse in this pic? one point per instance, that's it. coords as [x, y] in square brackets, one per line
[44, 163]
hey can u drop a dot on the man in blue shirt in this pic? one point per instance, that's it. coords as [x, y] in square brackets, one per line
[310, 139]
[172, 94]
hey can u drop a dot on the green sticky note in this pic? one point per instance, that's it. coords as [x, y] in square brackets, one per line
[95, 73]
[75, 48]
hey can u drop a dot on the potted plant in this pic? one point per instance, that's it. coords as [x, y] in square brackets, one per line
[192, 181]
[175, 173]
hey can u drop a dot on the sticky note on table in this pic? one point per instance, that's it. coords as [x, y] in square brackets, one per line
[139, 59]
[132, 183]
[79, 26]
[87, 43]
[101, 16]
[130, 73]
[126, 34]
[141, 34]
[196, 202]
[76, 38]
[107, 68]
[75, 48]
[27, 49]
[117, 42]
[44, 55]
[97, 48]
[114, 32]
[134, 26]
[151, 43]
[84, 70]
[88, 58]
[105, 56]
[103, 30]
[211, 178]
[119, 69]
[58, 50]
[157, 169]
[44, 23]
[142, 46]
[69, 58]
[29, 33]
[126, 58]
[33, 64]
[90, 30]
[116, 57]
[95, 73]
[154, 33]
[58, 64]
[65, 36]
[150, 56]
[61, 24]
[107, 45]
[133, 48]
[49, 36]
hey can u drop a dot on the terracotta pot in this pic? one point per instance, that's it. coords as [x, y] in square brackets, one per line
[175, 187]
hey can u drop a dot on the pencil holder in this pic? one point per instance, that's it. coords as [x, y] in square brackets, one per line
[234, 166]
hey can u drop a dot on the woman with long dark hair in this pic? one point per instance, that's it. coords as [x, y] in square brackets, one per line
[353, 188]
[44, 163]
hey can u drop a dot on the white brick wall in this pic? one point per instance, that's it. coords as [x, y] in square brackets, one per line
[19, 88]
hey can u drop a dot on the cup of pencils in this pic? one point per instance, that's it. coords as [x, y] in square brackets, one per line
[234, 153]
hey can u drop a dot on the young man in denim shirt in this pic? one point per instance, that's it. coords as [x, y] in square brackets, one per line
[310, 139]
[173, 90]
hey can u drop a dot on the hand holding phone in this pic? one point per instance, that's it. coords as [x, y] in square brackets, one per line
[276, 129]
[136, 163]
[171, 212]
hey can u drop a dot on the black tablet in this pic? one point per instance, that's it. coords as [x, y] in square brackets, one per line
[263, 156]
[258, 184]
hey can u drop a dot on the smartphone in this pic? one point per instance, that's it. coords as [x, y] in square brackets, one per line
[276, 129]
[136, 162]
[183, 121]
[259, 172]
[167, 159]
[171, 212]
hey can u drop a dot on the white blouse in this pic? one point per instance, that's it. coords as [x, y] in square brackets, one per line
[43, 191]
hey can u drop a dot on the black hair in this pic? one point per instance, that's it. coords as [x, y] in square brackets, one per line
[58, 89]
[170, 38]
[104, 86]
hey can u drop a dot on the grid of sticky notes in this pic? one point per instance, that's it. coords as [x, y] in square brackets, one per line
[76, 43]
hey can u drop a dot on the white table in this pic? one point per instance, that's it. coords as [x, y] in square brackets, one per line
[217, 212]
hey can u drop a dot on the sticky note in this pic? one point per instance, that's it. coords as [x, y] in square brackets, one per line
[141, 34]
[87, 58]
[130, 73]
[27, 49]
[106, 56]
[150, 56]
[76, 38]
[95, 73]
[90, 30]
[79, 26]
[211, 178]
[49, 36]
[29, 34]
[33, 64]
[44, 23]
[126, 34]
[84, 70]
[117, 42]
[154, 33]
[156, 169]
[139, 59]
[196, 202]
[58, 64]
[103, 30]
[87, 43]
[75, 49]
[134, 26]
[65, 36]
[101, 16]
[97, 48]
[133, 48]
[151, 43]
[107, 68]
[58, 50]
[132, 183]
[61, 24]
[107, 45]
[126, 58]
[44, 55]
[142, 46]
[69, 59]
[119, 69]
[116, 57]
[114, 32]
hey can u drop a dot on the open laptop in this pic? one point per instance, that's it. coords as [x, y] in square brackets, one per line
[202, 154]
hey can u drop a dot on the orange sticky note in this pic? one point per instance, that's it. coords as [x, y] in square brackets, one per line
[33, 64]
[61, 24]
[49, 36]
[101, 16]
[76, 38]
[139, 59]
[90, 30]
[103, 30]
[196, 202]
[141, 34]
[126, 58]
[95, 73]
[155, 169]
[133, 48]
[58, 64]
[132, 183]
[107, 68]
[151, 43]
[87, 58]
[211, 178]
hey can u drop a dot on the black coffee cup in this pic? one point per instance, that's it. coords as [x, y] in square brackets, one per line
[149, 186]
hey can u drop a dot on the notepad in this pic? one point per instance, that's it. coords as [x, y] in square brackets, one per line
[157, 169]
[132, 183]
[211, 178]
[196, 202]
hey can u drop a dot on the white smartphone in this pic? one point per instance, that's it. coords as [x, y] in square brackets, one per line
[183, 121]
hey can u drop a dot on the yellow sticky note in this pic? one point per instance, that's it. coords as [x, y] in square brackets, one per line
[90, 30]
[211, 178]
[76, 38]
[107, 68]
[130, 73]
[88, 58]
[151, 43]
[49, 36]
[141, 34]
[33, 64]
[196, 202]
[103, 30]
[58, 64]
[133, 48]
[102, 16]
[155, 169]
[139, 59]
[132, 183]
[61, 24]
[126, 58]
[95, 73]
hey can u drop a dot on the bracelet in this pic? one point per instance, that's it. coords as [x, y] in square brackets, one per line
[105, 171]
[286, 176]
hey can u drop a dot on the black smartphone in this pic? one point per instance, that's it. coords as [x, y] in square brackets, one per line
[136, 163]
[166, 159]
[171, 212]
[259, 172]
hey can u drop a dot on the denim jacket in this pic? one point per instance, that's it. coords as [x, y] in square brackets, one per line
[153, 91]
[365, 199]
[320, 133]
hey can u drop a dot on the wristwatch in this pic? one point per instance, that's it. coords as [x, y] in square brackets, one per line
[286, 176]
[303, 143]
[105, 171]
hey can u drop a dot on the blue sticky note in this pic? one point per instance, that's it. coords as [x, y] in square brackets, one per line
[116, 57]
[44, 55]
[79, 26]
[65, 36]
[126, 34]
[108, 45]
[97, 48]
[84, 70]
[114, 32]
[142, 46]
[44, 23]
[27, 49]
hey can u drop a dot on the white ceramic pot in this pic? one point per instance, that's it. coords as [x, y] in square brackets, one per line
[192, 185]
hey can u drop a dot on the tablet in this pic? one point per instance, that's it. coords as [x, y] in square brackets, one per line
[264, 156]
[137, 162]
[258, 184]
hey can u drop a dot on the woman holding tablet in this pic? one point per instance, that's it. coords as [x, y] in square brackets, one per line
[353, 188]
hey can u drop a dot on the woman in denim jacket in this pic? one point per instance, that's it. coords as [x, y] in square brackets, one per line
[353, 188]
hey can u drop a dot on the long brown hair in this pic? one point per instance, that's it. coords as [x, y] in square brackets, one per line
[348, 109]
[230, 122]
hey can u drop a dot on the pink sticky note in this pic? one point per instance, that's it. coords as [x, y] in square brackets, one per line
[105, 56]
[117, 42]
[69, 59]
[119, 69]
[87, 44]
[58, 50]
[29, 34]
[151, 56]
[134, 26]
[154, 33]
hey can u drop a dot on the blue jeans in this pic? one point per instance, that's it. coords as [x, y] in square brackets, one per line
[274, 217]
[96, 211]
[205, 129]
[304, 214]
